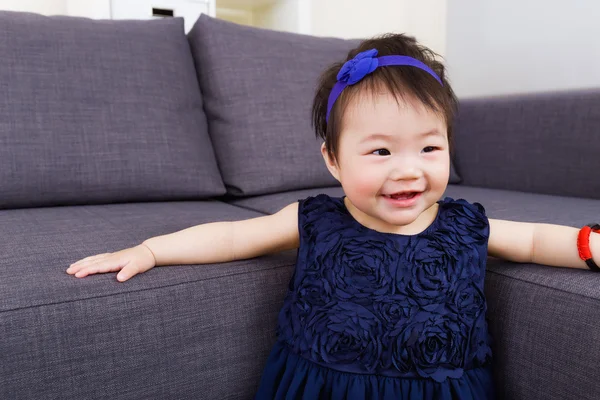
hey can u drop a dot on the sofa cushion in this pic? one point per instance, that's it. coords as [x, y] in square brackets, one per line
[183, 332]
[39, 244]
[271, 203]
[542, 142]
[529, 207]
[100, 112]
[258, 87]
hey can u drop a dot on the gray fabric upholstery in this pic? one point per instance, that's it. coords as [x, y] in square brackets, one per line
[92, 338]
[454, 178]
[201, 339]
[100, 112]
[258, 87]
[541, 143]
[530, 207]
[271, 203]
[37, 243]
[545, 324]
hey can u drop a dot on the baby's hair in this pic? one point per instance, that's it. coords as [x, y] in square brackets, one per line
[403, 82]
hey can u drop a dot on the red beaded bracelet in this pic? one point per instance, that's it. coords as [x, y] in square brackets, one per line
[583, 245]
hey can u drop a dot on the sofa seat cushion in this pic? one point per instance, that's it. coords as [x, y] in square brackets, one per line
[39, 244]
[140, 339]
[98, 111]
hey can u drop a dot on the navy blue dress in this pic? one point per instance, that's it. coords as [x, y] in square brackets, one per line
[372, 315]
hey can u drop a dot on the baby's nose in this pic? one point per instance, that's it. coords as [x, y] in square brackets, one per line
[405, 172]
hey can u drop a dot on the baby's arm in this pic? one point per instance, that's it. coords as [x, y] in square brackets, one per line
[202, 244]
[546, 244]
[227, 241]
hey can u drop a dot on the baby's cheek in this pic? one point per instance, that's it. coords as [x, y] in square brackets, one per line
[437, 169]
[442, 174]
[365, 185]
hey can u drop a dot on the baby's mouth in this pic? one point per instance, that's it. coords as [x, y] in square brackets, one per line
[402, 195]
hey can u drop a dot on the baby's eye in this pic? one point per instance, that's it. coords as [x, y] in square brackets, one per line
[429, 149]
[381, 152]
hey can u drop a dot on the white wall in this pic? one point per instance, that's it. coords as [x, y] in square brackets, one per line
[512, 46]
[280, 16]
[82, 8]
[46, 7]
[424, 19]
[238, 16]
[99, 9]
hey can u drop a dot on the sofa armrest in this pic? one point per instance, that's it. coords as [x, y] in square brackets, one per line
[544, 325]
[544, 143]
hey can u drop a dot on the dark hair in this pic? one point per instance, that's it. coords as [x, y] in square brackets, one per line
[401, 81]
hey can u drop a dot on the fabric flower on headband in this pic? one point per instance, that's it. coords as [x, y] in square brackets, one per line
[360, 66]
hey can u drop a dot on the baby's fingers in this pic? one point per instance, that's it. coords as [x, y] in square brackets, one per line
[100, 267]
[86, 261]
[129, 271]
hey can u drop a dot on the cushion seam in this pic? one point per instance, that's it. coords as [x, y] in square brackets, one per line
[248, 208]
[142, 290]
[542, 285]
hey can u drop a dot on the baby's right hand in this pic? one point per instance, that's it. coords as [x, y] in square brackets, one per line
[130, 262]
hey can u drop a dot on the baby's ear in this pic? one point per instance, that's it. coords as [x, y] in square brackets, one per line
[330, 162]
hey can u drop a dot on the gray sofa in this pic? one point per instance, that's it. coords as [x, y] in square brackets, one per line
[115, 131]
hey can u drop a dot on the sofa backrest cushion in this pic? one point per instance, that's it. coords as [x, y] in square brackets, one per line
[100, 112]
[539, 142]
[258, 87]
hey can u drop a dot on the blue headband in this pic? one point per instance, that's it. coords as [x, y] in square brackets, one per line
[362, 65]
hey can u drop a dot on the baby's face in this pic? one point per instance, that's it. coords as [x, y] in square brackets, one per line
[393, 162]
